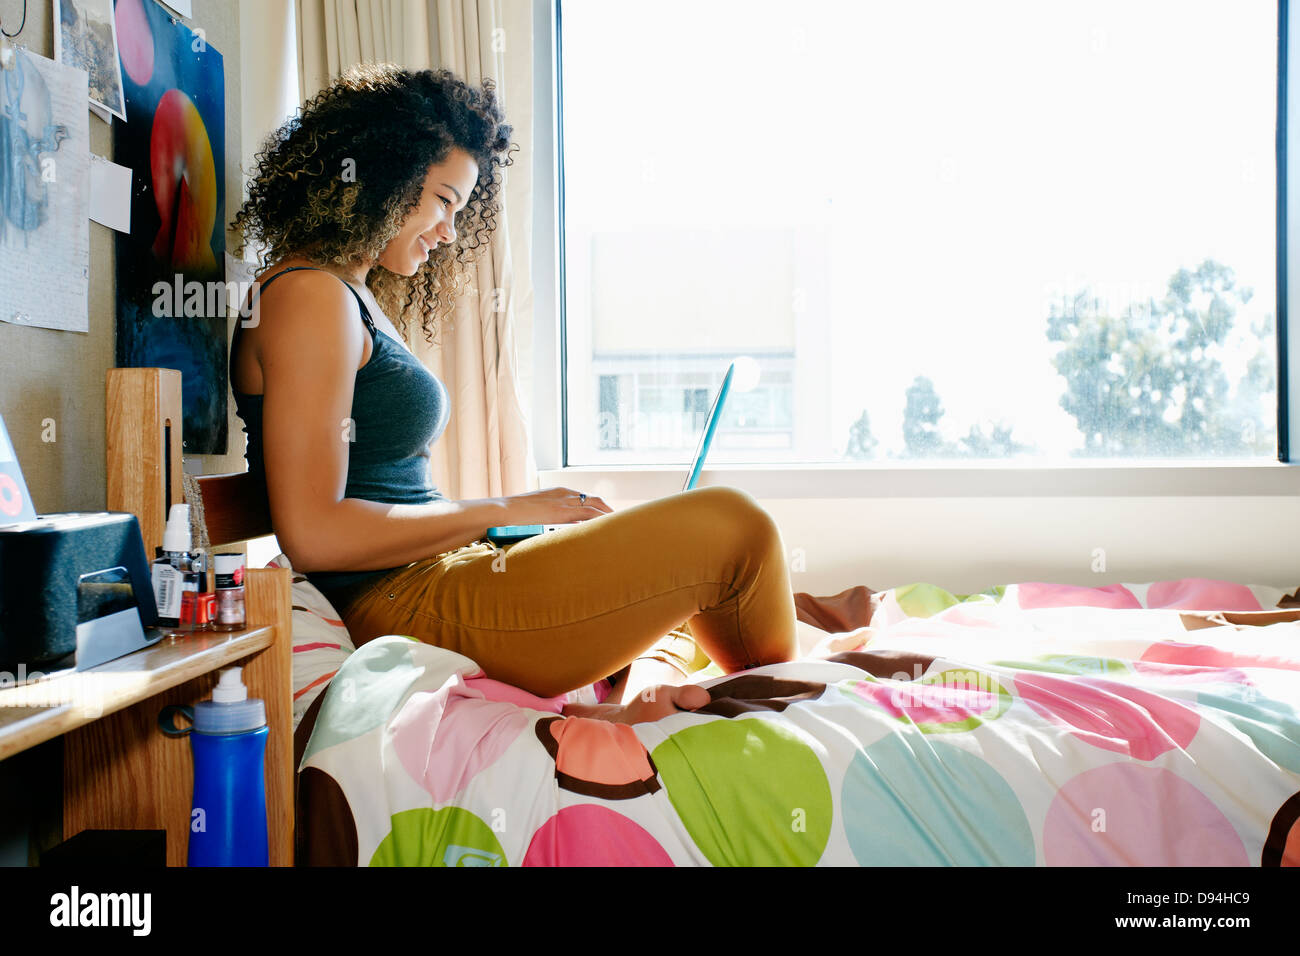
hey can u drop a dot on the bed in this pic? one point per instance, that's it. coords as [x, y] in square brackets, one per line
[1031, 724]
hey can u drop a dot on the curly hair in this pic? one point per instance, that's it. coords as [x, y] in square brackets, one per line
[337, 181]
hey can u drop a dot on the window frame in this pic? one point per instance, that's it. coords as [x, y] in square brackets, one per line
[904, 479]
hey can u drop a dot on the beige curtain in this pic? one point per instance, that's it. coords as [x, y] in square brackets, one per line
[486, 450]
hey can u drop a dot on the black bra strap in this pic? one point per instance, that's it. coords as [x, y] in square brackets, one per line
[365, 313]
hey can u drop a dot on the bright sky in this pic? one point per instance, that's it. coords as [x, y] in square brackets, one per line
[974, 160]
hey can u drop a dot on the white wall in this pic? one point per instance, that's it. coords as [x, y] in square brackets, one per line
[969, 544]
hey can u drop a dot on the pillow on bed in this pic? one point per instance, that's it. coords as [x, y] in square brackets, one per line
[320, 640]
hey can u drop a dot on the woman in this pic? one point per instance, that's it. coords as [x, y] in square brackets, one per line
[373, 201]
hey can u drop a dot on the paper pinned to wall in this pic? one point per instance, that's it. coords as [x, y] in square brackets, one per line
[87, 39]
[110, 193]
[241, 272]
[44, 195]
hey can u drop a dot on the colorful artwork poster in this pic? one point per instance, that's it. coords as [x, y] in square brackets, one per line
[171, 309]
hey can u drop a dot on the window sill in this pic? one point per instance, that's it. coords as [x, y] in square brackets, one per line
[1085, 479]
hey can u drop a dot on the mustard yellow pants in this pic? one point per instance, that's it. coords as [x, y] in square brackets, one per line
[699, 573]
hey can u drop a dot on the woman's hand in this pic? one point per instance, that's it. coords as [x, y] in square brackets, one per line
[553, 506]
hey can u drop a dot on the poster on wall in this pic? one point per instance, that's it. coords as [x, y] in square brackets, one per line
[87, 39]
[44, 194]
[171, 266]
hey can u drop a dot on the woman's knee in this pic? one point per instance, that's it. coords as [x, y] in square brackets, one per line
[733, 511]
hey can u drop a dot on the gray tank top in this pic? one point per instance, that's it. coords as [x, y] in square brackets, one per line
[399, 408]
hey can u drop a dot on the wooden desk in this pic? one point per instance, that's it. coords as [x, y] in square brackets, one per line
[120, 771]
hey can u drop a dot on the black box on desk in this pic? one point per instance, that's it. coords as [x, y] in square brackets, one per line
[74, 583]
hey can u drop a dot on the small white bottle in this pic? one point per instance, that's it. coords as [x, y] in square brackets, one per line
[175, 580]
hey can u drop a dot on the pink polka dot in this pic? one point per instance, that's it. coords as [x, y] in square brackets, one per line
[950, 701]
[1111, 715]
[1036, 594]
[508, 693]
[966, 616]
[470, 734]
[1203, 655]
[1190, 673]
[134, 40]
[590, 835]
[1129, 815]
[1202, 594]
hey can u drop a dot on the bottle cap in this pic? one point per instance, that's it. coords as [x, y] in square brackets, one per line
[227, 563]
[230, 711]
[229, 687]
[177, 535]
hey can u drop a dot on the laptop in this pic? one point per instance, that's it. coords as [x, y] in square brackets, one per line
[509, 534]
[15, 500]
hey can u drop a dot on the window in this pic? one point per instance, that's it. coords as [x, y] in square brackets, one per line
[954, 230]
[644, 409]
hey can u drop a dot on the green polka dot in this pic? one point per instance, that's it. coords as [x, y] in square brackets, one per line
[749, 792]
[1096, 666]
[923, 600]
[447, 837]
[712, 670]
[926, 600]
[1070, 664]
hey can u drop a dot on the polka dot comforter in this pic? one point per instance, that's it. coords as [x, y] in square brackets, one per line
[1031, 724]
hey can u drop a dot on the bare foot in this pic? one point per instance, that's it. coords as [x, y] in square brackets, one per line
[651, 704]
[643, 674]
[838, 643]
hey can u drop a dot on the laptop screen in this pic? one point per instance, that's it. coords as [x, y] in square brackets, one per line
[710, 425]
[15, 501]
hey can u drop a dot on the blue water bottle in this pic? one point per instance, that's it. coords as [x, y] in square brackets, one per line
[228, 739]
